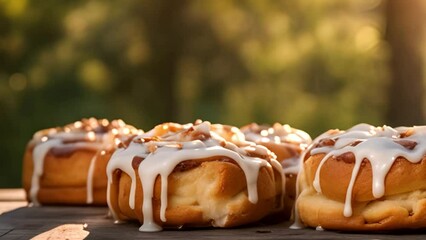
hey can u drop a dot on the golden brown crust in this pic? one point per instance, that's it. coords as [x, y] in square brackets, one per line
[64, 178]
[212, 194]
[404, 211]
[403, 206]
[411, 175]
[343, 199]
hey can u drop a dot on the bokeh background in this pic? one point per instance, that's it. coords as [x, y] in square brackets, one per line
[315, 65]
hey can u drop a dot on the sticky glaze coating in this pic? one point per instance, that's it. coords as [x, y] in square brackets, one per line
[190, 176]
[365, 178]
[287, 143]
[67, 165]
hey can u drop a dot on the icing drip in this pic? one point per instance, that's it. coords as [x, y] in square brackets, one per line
[378, 145]
[319, 228]
[297, 221]
[89, 184]
[39, 154]
[90, 134]
[162, 155]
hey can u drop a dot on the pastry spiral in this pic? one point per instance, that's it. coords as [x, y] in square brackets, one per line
[67, 165]
[192, 177]
[365, 178]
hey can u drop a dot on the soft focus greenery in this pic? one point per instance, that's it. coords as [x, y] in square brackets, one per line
[312, 64]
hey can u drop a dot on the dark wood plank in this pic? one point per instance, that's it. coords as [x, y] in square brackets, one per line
[9, 206]
[28, 222]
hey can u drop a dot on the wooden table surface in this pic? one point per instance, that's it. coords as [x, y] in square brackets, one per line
[17, 221]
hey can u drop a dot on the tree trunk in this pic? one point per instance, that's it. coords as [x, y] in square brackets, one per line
[166, 33]
[405, 30]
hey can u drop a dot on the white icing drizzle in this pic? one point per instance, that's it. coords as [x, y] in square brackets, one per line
[161, 157]
[378, 145]
[319, 228]
[74, 136]
[39, 154]
[89, 185]
[297, 222]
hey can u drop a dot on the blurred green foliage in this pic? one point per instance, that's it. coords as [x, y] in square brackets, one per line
[312, 64]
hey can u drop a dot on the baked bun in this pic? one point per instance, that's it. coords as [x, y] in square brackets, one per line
[287, 143]
[365, 178]
[192, 178]
[230, 133]
[67, 165]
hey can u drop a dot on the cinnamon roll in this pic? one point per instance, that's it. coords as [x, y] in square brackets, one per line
[190, 176]
[67, 165]
[229, 133]
[365, 178]
[287, 143]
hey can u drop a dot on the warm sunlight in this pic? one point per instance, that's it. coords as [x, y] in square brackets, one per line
[260, 119]
[65, 231]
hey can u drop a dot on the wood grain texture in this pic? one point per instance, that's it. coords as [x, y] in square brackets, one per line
[93, 223]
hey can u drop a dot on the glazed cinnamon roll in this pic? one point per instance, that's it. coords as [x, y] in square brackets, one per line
[365, 178]
[67, 165]
[287, 143]
[192, 177]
